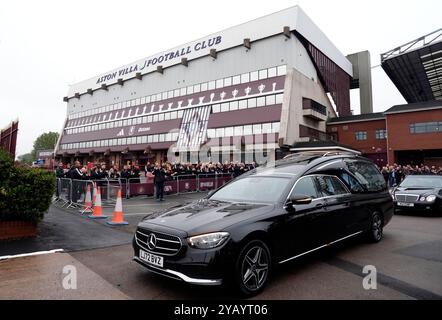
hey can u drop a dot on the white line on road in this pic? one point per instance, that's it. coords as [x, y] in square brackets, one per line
[37, 253]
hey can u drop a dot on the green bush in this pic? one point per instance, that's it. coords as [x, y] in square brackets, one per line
[25, 193]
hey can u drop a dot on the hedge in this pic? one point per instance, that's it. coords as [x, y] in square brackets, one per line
[25, 193]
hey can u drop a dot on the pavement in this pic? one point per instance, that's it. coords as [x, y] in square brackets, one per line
[408, 262]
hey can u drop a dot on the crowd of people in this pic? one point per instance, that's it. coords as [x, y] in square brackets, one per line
[99, 171]
[160, 172]
[394, 174]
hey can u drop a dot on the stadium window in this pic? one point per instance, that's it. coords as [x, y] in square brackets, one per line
[233, 105]
[242, 104]
[261, 102]
[228, 132]
[190, 90]
[227, 81]
[155, 138]
[173, 115]
[180, 114]
[257, 129]
[211, 133]
[149, 139]
[275, 127]
[204, 86]
[282, 70]
[216, 108]
[164, 95]
[266, 128]
[212, 85]
[247, 130]
[176, 93]
[219, 132]
[237, 131]
[272, 72]
[270, 100]
[278, 98]
[251, 103]
[262, 74]
[236, 80]
[137, 101]
[219, 83]
[170, 94]
[245, 77]
[182, 91]
[197, 88]
[144, 139]
[158, 97]
[155, 118]
[224, 107]
[161, 117]
[153, 98]
[361, 135]
[167, 116]
[254, 76]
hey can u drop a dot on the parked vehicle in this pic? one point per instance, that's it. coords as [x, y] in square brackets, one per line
[269, 216]
[419, 192]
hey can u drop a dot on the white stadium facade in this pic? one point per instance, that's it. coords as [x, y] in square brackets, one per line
[237, 94]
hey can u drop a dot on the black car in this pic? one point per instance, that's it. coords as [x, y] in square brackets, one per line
[419, 192]
[266, 217]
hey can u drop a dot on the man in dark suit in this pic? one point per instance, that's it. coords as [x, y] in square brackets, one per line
[159, 179]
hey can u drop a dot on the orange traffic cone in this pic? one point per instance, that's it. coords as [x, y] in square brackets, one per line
[118, 212]
[87, 202]
[98, 210]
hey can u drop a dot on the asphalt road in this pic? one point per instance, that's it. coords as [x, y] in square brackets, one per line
[408, 262]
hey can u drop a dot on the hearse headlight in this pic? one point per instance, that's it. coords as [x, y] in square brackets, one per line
[431, 198]
[209, 240]
[422, 198]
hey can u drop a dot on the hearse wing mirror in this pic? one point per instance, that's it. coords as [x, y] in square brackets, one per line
[300, 199]
[297, 200]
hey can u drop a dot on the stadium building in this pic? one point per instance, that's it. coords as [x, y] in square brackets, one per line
[237, 94]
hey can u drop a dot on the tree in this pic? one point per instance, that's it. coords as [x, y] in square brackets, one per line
[45, 141]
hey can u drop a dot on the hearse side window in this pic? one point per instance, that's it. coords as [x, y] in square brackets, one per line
[367, 174]
[330, 186]
[351, 183]
[305, 186]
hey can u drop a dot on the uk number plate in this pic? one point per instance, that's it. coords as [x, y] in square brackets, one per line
[151, 258]
[405, 204]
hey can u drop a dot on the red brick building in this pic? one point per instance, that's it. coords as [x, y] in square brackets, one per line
[404, 134]
[365, 132]
[415, 133]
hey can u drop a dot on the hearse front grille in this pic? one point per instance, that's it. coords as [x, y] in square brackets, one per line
[165, 244]
[407, 197]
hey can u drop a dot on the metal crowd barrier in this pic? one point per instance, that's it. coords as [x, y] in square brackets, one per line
[72, 193]
[178, 184]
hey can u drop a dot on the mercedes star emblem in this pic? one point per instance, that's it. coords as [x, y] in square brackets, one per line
[151, 241]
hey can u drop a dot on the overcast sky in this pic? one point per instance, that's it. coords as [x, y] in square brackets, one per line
[47, 45]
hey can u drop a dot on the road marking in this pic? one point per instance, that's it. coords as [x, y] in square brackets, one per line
[37, 253]
[393, 283]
